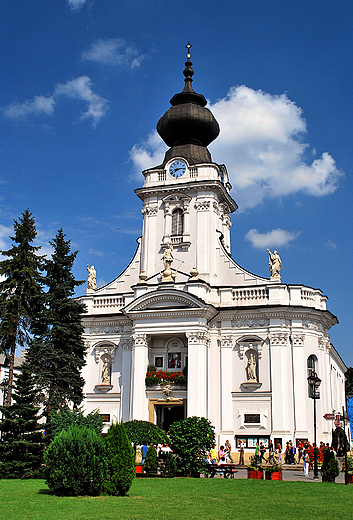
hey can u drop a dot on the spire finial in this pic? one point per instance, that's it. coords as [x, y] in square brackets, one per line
[188, 56]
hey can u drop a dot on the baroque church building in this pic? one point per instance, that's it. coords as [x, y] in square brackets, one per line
[238, 347]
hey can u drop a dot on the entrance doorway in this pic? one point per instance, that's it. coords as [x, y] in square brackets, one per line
[168, 414]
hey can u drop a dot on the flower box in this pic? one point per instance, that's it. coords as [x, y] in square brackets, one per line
[350, 479]
[273, 475]
[138, 468]
[154, 378]
[255, 474]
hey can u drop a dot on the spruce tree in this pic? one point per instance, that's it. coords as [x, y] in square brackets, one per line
[22, 442]
[57, 353]
[19, 290]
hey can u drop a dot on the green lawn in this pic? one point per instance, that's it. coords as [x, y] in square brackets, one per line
[178, 499]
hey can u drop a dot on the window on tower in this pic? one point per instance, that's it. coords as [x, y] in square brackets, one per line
[177, 222]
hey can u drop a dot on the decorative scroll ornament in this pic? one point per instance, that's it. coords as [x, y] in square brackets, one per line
[106, 328]
[226, 341]
[249, 323]
[195, 338]
[100, 350]
[140, 340]
[298, 340]
[150, 211]
[279, 339]
[244, 346]
[202, 205]
[126, 344]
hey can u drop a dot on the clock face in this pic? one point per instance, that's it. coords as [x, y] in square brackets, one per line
[177, 169]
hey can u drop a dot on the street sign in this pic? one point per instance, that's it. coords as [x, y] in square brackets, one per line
[337, 423]
[329, 416]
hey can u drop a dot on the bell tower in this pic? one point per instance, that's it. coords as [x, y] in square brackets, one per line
[186, 200]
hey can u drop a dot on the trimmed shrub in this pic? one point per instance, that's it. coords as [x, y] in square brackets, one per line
[191, 439]
[64, 418]
[75, 462]
[141, 432]
[329, 467]
[170, 466]
[151, 463]
[120, 461]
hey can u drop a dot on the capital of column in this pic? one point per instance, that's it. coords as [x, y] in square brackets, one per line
[226, 341]
[198, 337]
[279, 339]
[140, 340]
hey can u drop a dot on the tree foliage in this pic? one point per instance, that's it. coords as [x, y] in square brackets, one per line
[19, 290]
[22, 443]
[75, 462]
[329, 467]
[349, 381]
[144, 432]
[120, 461]
[57, 353]
[64, 418]
[151, 463]
[191, 439]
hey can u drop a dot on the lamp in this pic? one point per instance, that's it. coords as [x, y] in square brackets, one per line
[314, 382]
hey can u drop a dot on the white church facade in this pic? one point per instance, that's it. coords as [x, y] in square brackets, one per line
[244, 344]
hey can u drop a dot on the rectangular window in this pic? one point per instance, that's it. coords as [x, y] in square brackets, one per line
[250, 442]
[241, 442]
[158, 362]
[174, 359]
[251, 418]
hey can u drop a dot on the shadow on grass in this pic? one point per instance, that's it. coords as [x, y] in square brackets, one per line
[45, 492]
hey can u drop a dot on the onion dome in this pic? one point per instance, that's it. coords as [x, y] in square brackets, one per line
[188, 127]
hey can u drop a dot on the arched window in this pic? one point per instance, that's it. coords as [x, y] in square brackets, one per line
[177, 222]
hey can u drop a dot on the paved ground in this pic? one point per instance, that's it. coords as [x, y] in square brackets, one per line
[291, 473]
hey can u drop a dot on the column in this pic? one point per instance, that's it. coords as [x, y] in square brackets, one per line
[125, 389]
[167, 223]
[300, 385]
[226, 384]
[282, 386]
[198, 345]
[139, 402]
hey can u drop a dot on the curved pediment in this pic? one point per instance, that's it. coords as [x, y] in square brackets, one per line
[166, 300]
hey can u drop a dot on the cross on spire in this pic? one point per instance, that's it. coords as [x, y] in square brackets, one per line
[188, 56]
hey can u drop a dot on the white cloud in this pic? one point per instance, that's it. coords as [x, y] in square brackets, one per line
[5, 233]
[260, 143]
[37, 106]
[331, 244]
[148, 153]
[274, 238]
[81, 88]
[113, 51]
[78, 88]
[76, 5]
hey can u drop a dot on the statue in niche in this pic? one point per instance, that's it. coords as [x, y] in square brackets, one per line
[106, 372]
[92, 275]
[251, 368]
[274, 265]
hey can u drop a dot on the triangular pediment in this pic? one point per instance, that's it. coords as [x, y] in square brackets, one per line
[165, 299]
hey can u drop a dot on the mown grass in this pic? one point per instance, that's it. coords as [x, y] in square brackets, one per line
[183, 498]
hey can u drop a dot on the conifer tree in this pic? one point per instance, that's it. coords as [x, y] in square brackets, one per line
[57, 353]
[19, 290]
[22, 442]
[119, 461]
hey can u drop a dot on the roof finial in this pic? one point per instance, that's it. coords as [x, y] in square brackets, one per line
[188, 56]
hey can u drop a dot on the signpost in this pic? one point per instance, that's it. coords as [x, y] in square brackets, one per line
[329, 416]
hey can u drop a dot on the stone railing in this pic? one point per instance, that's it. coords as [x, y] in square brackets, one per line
[109, 302]
[251, 295]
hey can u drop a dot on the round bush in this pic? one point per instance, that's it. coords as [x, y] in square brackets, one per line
[75, 462]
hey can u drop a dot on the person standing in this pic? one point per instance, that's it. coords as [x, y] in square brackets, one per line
[241, 455]
[280, 454]
[228, 449]
[300, 451]
[262, 452]
[270, 452]
[306, 460]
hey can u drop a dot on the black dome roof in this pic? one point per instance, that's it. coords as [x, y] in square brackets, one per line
[188, 122]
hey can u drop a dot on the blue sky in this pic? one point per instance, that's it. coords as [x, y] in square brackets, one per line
[83, 83]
